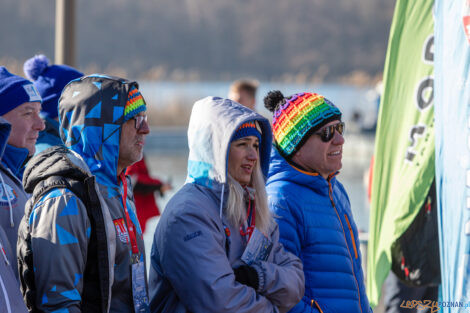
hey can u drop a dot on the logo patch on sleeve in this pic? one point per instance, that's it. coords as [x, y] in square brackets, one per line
[121, 230]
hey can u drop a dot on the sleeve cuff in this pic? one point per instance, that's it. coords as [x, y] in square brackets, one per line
[261, 275]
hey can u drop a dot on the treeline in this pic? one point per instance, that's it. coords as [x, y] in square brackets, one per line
[322, 40]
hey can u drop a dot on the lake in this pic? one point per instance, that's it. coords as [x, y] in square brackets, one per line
[349, 98]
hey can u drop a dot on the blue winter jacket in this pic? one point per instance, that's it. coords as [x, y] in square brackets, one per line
[91, 115]
[316, 224]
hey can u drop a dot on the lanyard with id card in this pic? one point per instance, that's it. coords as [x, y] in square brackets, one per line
[258, 245]
[139, 287]
[258, 248]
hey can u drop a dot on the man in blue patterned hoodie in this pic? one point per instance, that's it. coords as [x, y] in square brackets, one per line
[312, 207]
[80, 226]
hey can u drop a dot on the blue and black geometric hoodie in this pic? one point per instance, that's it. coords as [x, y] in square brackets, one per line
[92, 110]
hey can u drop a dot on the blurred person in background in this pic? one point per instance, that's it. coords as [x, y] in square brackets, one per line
[204, 255]
[415, 273]
[243, 91]
[49, 80]
[20, 125]
[145, 188]
[80, 246]
[311, 206]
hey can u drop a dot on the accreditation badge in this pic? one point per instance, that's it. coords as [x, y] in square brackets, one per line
[258, 248]
[139, 288]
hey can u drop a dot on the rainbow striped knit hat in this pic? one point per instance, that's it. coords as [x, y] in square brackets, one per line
[134, 105]
[297, 117]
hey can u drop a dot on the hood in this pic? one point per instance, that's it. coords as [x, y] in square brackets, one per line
[211, 126]
[5, 128]
[91, 113]
[281, 170]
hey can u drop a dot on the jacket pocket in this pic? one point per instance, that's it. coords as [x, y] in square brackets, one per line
[352, 235]
[315, 303]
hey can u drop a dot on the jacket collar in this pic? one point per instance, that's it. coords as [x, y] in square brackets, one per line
[14, 159]
[281, 170]
[11, 157]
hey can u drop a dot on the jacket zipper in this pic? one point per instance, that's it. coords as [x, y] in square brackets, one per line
[352, 235]
[330, 193]
[312, 302]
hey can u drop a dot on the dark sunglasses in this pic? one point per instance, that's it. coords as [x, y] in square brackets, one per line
[139, 121]
[327, 133]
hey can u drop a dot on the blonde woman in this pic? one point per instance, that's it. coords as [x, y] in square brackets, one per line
[206, 255]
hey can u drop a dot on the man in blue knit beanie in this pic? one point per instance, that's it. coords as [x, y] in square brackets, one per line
[20, 124]
[20, 104]
[50, 80]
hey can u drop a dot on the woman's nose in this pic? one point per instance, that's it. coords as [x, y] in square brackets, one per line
[253, 154]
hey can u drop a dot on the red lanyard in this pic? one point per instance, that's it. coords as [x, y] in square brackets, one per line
[250, 220]
[130, 225]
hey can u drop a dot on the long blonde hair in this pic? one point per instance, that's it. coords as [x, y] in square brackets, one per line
[236, 205]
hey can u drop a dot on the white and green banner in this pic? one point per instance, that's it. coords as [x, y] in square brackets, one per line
[404, 149]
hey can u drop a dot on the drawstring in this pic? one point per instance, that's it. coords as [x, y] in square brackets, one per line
[8, 199]
[221, 201]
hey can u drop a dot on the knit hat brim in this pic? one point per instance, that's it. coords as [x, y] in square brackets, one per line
[14, 91]
[307, 135]
[134, 105]
[250, 128]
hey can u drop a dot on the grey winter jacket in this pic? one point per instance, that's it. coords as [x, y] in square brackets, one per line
[193, 256]
[91, 119]
[11, 300]
[12, 195]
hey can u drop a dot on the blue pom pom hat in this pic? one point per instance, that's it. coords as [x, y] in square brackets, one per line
[49, 80]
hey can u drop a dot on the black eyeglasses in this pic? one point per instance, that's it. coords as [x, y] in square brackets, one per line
[327, 133]
[139, 121]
